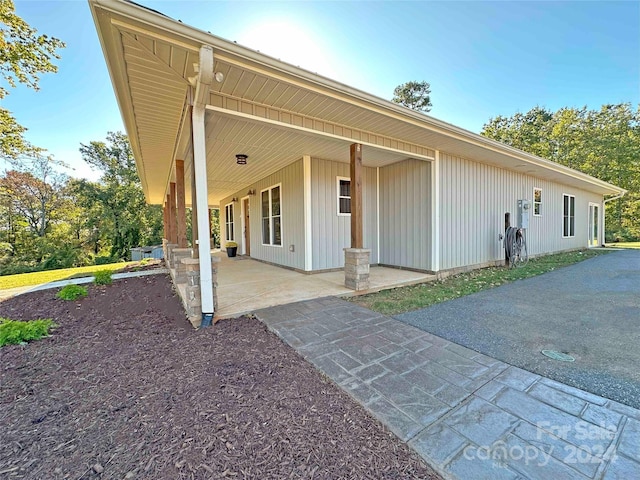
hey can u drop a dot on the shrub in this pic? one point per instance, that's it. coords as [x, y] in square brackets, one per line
[72, 292]
[15, 332]
[103, 277]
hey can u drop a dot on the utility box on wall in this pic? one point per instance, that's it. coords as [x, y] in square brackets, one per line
[524, 206]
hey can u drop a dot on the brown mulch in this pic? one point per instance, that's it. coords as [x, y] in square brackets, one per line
[125, 388]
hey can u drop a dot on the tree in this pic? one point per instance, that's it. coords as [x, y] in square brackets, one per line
[414, 95]
[24, 55]
[604, 143]
[119, 212]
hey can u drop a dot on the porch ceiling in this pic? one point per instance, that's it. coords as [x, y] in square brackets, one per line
[269, 148]
[151, 59]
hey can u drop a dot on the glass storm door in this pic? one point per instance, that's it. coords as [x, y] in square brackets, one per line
[593, 224]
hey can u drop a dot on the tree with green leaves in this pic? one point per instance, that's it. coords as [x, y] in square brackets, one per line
[414, 95]
[119, 211]
[604, 143]
[24, 55]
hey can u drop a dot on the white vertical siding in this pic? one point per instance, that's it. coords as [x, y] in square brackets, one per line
[474, 198]
[332, 232]
[292, 208]
[405, 214]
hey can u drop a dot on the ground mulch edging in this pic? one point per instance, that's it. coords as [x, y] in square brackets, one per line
[126, 389]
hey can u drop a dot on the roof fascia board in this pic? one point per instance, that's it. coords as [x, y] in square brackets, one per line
[335, 89]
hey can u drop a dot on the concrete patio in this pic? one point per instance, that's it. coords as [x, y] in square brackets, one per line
[245, 285]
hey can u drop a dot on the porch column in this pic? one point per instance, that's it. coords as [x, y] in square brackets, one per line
[210, 227]
[194, 216]
[356, 195]
[356, 258]
[205, 77]
[172, 212]
[180, 206]
[435, 213]
[165, 221]
[169, 219]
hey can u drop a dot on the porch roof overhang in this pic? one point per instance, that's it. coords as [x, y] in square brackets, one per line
[271, 111]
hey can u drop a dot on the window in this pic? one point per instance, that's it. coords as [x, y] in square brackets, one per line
[537, 201]
[568, 215]
[228, 221]
[344, 196]
[271, 216]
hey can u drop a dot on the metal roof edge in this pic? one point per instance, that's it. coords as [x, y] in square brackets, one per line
[367, 100]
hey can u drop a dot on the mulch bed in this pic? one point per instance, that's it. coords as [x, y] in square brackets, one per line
[125, 388]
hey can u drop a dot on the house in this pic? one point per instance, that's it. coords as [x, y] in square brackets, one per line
[303, 167]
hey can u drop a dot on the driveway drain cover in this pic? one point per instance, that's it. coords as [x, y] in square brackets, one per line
[563, 357]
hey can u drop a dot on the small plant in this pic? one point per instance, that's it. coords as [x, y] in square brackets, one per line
[72, 292]
[231, 245]
[15, 332]
[145, 261]
[103, 277]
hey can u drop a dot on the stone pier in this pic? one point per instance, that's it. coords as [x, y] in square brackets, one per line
[356, 268]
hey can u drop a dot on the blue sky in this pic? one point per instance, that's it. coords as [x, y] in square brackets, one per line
[482, 59]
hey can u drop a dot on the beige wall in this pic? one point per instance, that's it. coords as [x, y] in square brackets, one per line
[474, 198]
[291, 180]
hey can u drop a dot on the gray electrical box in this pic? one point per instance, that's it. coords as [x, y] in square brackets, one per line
[524, 206]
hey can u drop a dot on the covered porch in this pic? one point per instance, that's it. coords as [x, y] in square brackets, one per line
[246, 285]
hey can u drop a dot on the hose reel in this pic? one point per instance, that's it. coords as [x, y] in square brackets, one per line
[515, 247]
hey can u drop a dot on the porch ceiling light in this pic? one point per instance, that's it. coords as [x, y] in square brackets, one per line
[219, 76]
[241, 158]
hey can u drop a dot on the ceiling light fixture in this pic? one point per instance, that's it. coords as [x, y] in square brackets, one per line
[241, 158]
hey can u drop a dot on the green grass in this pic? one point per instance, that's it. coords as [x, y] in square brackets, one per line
[624, 245]
[405, 299]
[36, 278]
[15, 332]
[72, 292]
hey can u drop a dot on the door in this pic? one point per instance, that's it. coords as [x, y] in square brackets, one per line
[247, 231]
[593, 224]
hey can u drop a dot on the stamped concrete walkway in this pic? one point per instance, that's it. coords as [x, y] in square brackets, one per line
[468, 415]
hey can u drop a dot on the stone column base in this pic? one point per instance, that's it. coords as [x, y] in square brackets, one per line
[356, 268]
[169, 254]
[177, 254]
[192, 298]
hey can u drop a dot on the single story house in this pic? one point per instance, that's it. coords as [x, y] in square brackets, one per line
[303, 167]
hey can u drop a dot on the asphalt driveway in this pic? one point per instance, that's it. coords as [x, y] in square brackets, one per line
[590, 310]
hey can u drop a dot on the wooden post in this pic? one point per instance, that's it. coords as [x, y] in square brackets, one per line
[172, 212]
[165, 221]
[181, 209]
[169, 219]
[210, 227]
[507, 224]
[356, 196]
[194, 215]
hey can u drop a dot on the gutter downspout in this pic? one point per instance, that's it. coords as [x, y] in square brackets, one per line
[604, 211]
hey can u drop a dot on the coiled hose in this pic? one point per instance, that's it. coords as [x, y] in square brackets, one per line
[515, 247]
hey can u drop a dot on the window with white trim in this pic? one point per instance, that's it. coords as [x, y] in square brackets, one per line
[568, 215]
[537, 201]
[271, 216]
[228, 223]
[344, 195]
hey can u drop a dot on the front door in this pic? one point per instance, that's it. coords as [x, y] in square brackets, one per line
[247, 235]
[593, 224]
